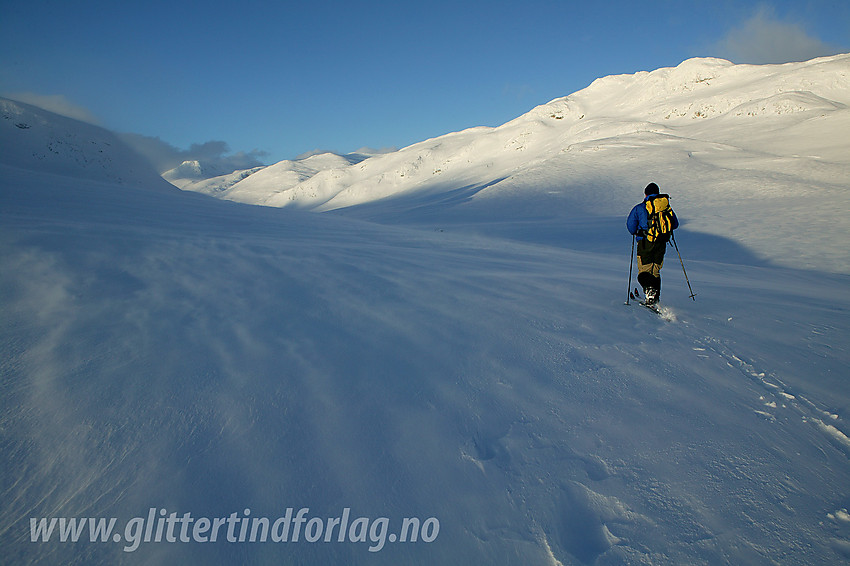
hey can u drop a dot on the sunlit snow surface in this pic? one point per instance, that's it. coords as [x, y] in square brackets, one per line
[757, 154]
[455, 354]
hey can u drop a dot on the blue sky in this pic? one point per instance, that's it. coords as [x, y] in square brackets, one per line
[272, 80]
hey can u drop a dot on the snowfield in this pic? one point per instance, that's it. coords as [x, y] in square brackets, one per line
[440, 333]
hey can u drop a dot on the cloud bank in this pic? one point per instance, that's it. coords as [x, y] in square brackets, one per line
[57, 104]
[162, 155]
[764, 39]
[215, 154]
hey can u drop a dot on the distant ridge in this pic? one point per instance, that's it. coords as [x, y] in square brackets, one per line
[704, 99]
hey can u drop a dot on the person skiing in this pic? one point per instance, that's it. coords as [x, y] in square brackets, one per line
[651, 222]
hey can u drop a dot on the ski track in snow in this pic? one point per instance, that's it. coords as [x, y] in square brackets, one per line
[779, 396]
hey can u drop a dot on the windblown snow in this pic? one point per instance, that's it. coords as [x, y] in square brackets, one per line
[440, 334]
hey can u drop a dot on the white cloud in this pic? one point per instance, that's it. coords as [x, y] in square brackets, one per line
[765, 39]
[57, 104]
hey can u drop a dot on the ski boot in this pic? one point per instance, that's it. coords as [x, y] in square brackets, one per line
[652, 296]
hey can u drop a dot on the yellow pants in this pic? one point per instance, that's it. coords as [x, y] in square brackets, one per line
[650, 267]
[650, 260]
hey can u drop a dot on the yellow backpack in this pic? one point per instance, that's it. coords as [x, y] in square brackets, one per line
[660, 218]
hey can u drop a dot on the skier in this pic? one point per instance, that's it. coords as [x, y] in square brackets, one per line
[651, 222]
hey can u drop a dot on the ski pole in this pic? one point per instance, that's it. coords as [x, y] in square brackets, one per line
[631, 263]
[693, 295]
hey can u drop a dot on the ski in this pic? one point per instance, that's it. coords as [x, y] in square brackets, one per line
[654, 307]
[636, 296]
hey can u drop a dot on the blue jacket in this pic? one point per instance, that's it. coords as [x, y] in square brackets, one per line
[638, 220]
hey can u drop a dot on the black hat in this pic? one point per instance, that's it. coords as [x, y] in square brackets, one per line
[651, 189]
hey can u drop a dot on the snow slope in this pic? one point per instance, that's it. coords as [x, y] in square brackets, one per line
[166, 350]
[38, 140]
[204, 178]
[734, 145]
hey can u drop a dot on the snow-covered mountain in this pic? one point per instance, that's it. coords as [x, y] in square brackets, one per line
[201, 178]
[732, 144]
[709, 105]
[187, 378]
[254, 189]
[38, 140]
[208, 179]
[191, 171]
